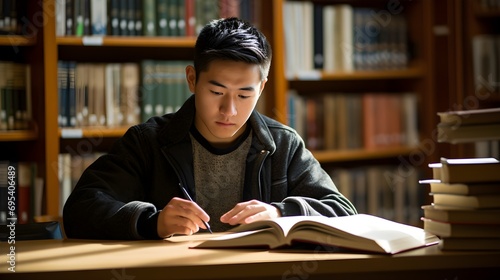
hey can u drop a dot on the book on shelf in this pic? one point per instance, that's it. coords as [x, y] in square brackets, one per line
[380, 190]
[163, 89]
[12, 17]
[145, 17]
[460, 215]
[486, 62]
[358, 232]
[346, 121]
[471, 243]
[15, 96]
[97, 94]
[71, 167]
[20, 184]
[444, 229]
[346, 44]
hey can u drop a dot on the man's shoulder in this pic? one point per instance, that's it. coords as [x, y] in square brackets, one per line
[153, 124]
[273, 124]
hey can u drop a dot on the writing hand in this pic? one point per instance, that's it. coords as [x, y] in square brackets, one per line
[181, 216]
[250, 211]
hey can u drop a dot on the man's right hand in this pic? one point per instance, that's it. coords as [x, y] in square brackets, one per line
[181, 216]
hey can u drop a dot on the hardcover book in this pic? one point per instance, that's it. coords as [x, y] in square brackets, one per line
[358, 232]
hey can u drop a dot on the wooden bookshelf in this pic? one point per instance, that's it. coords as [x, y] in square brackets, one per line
[17, 40]
[406, 73]
[92, 132]
[417, 77]
[341, 156]
[18, 135]
[132, 41]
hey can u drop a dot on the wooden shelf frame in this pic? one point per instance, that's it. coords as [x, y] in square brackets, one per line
[339, 156]
[17, 40]
[92, 132]
[18, 135]
[130, 41]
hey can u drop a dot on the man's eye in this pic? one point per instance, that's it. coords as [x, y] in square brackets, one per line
[244, 96]
[216, 92]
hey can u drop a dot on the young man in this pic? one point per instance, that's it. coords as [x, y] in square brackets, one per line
[237, 165]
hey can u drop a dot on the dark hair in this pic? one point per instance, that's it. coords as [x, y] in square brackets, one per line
[232, 39]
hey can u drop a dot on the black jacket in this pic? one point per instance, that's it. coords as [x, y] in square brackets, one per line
[143, 170]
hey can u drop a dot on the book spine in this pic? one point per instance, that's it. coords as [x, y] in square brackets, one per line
[87, 24]
[131, 31]
[70, 25]
[114, 17]
[60, 18]
[173, 17]
[149, 18]
[79, 9]
[162, 18]
[190, 18]
[123, 16]
[99, 17]
[71, 95]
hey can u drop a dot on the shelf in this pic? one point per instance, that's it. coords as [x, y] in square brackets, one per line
[393, 74]
[130, 41]
[18, 135]
[409, 73]
[332, 156]
[17, 40]
[94, 132]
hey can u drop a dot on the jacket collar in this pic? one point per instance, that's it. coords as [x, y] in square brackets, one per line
[181, 121]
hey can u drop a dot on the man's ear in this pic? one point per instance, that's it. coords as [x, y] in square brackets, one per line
[262, 85]
[191, 77]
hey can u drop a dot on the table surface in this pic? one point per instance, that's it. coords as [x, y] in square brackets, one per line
[176, 259]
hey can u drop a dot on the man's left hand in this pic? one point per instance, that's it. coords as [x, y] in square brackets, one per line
[250, 211]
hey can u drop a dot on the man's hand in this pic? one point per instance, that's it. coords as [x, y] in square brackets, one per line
[250, 211]
[181, 216]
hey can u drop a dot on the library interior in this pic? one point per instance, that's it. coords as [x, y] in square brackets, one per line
[398, 101]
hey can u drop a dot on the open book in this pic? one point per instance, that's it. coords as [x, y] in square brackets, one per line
[359, 232]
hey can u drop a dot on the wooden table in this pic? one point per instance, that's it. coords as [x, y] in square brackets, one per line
[134, 260]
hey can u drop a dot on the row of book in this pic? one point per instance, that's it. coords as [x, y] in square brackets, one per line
[119, 94]
[15, 96]
[341, 38]
[98, 94]
[145, 17]
[354, 120]
[12, 13]
[465, 212]
[486, 65]
[71, 167]
[164, 88]
[382, 190]
[21, 192]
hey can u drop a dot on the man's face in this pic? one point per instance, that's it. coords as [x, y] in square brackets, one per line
[226, 95]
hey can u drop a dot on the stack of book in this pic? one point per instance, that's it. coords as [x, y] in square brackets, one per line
[465, 212]
[469, 125]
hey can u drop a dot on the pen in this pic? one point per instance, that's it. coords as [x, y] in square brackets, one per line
[189, 197]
